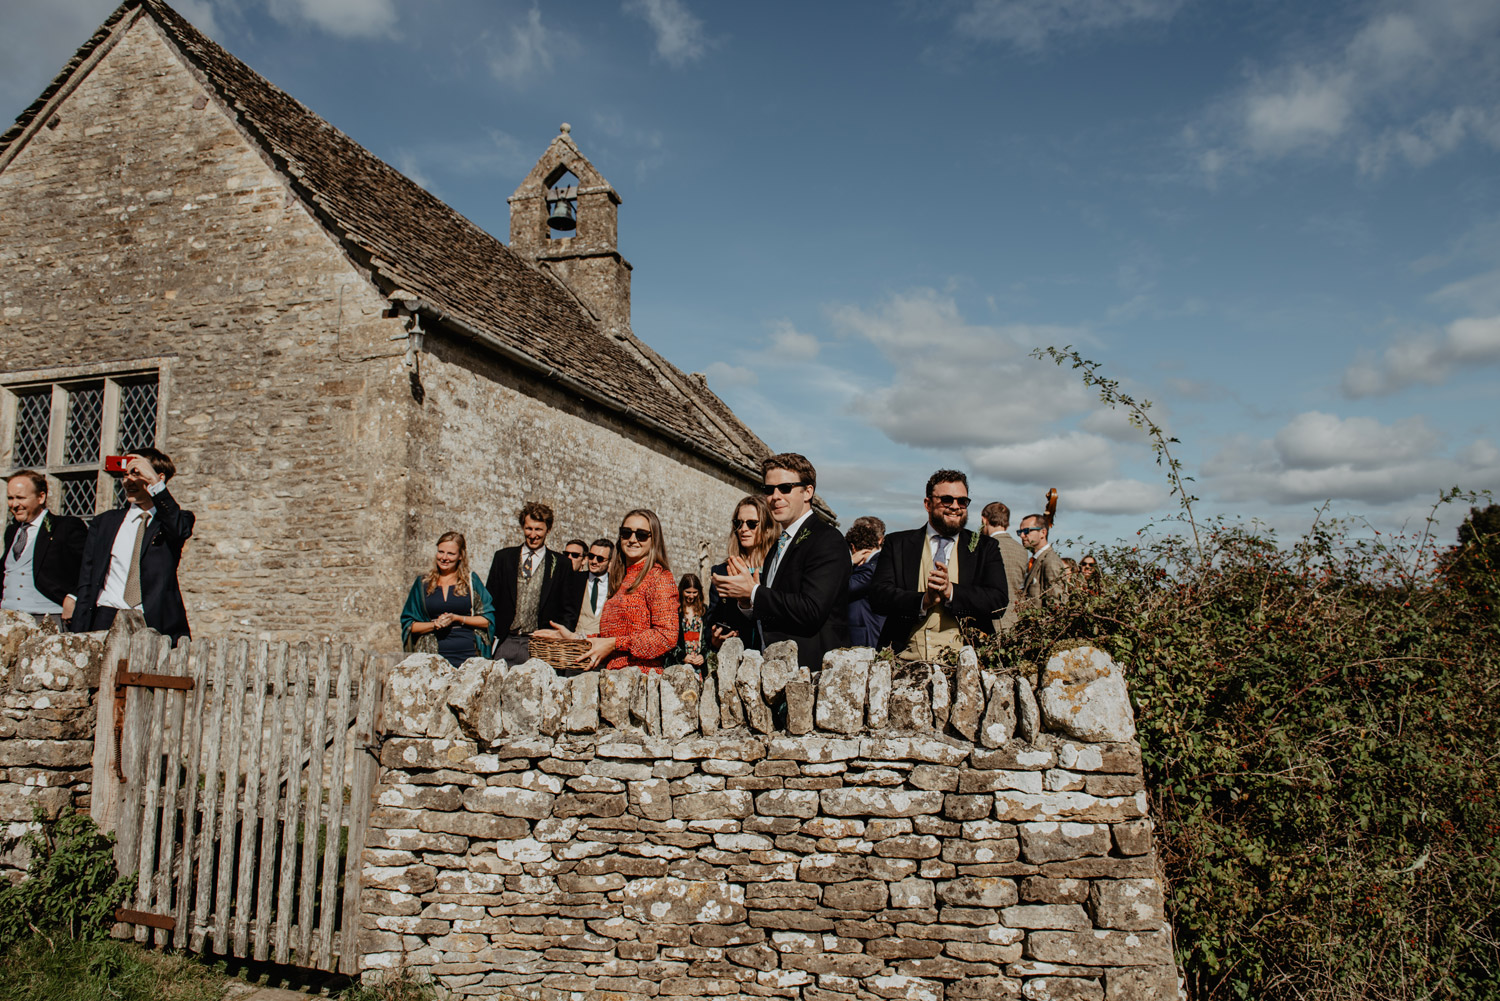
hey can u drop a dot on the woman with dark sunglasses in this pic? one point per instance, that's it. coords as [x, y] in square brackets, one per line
[752, 531]
[638, 624]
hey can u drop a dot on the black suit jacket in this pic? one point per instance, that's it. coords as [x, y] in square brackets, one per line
[56, 555]
[809, 599]
[865, 624]
[161, 551]
[724, 612]
[978, 596]
[561, 596]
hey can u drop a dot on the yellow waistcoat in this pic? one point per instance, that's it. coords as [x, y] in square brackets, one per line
[938, 634]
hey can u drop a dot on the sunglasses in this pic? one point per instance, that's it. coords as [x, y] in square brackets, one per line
[739, 523]
[1023, 531]
[949, 500]
[638, 534]
[573, 554]
[593, 558]
[786, 488]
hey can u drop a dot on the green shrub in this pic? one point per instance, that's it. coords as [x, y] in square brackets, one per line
[71, 887]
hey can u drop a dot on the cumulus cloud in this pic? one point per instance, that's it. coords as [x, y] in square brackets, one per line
[1119, 497]
[958, 384]
[1033, 25]
[1409, 83]
[1318, 456]
[680, 38]
[790, 344]
[721, 373]
[1427, 358]
[1070, 459]
[345, 18]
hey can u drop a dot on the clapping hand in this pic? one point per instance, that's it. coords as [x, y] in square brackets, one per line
[938, 585]
[740, 581]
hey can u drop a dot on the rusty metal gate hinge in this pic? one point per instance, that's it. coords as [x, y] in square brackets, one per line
[138, 679]
[163, 921]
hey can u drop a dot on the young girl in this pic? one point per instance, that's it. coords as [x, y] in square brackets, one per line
[692, 641]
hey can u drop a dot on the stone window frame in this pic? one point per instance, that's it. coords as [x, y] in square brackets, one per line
[109, 377]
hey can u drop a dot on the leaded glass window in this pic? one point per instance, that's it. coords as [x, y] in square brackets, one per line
[33, 418]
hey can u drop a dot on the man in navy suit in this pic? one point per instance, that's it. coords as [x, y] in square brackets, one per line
[42, 550]
[939, 581]
[131, 554]
[804, 593]
[865, 537]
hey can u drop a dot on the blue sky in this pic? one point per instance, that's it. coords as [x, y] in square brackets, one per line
[1280, 222]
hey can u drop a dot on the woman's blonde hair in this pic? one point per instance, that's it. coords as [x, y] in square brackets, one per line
[765, 532]
[430, 581]
[656, 552]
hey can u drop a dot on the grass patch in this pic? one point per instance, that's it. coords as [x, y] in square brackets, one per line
[65, 969]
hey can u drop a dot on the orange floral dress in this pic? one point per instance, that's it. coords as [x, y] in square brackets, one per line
[643, 622]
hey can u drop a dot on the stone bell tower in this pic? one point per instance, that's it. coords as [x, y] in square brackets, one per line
[564, 217]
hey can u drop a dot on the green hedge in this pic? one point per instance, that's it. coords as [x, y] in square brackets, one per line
[1319, 728]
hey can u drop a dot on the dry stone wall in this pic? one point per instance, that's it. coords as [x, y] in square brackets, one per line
[48, 689]
[882, 831]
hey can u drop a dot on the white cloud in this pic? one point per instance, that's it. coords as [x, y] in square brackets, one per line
[526, 49]
[721, 374]
[679, 33]
[790, 344]
[1428, 358]
[1070, 459]
[958, 384]
[1318, 456]
[1413, 81]
[1032, 25]
[1119, 497]
[345, 18]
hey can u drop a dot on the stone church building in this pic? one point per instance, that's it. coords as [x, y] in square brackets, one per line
[341, 365]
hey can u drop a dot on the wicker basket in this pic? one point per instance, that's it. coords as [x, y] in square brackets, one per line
[559, 653]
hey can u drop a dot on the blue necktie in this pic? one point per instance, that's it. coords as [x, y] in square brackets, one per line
[20, 546]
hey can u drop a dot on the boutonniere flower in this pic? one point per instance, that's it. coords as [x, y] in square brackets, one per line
[552, 563]
[973, 541]
[802, 536]
[47, 522]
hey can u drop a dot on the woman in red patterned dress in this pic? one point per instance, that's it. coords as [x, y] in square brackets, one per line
[638, 623]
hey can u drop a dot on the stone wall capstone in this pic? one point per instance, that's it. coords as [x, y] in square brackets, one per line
[759, 834]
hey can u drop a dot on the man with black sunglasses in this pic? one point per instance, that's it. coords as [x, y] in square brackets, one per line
[803, 592]
[936, 582]
[594, 582]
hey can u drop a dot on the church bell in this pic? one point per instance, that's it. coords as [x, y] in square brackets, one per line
[562, 215]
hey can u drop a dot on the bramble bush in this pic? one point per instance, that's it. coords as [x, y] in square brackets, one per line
[1321, 745]
[71, 887]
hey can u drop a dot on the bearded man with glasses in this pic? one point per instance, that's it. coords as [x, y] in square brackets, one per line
[939, 581]
[803, 592]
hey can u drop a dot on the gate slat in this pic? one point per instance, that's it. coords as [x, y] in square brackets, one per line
[132, 756]
[329, 907]
[270, 809]
[168, 848]
[151, 778]
[314, 810]
[250, 814]
[285, 913]
[208, 824]
[230, 814]
[201, 652]
[363, 782]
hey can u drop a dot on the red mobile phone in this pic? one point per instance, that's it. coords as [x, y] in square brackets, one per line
[115, 463]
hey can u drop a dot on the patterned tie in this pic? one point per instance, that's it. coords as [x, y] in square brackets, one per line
[133, 578]
[20, 546]
[528, 564]
[775, 561]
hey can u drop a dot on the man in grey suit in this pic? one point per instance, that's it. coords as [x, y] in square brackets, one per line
[995, 522]
[1045, 572]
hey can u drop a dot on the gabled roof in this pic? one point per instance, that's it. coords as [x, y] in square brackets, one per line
[412, 241]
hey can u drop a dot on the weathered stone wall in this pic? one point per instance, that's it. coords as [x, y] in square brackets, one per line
[144, 225]
[639, 837]
[489, 438]
[48, 689]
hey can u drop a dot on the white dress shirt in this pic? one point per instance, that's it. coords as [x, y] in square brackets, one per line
[113, 593]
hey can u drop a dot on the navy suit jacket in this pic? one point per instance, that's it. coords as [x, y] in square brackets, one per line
[865, 623]
[978, 597]
[161, 551]
[56, 555]
[809, 599]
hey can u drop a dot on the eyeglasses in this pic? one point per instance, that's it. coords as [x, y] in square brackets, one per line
[638, 534]
[573, 554]
[596, 558]
[1023, 531]
[786, 488]
[1090, 564]
[949, 499]
[739, 523]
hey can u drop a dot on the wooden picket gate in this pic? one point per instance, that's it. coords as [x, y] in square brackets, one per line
[240, 792]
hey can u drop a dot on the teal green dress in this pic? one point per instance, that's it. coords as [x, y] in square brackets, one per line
[480, 603]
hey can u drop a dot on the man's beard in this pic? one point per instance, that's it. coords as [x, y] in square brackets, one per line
[935, 520]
